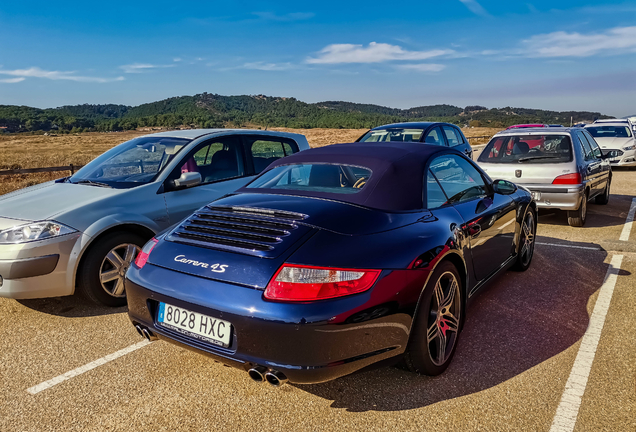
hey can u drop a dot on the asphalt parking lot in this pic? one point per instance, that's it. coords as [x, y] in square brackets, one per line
[537, 352]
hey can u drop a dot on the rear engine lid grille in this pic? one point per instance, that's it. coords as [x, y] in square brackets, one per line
[253, 231]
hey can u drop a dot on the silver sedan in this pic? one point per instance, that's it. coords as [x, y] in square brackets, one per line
[84, 231]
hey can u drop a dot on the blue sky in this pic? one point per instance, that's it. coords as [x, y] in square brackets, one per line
[561, 55]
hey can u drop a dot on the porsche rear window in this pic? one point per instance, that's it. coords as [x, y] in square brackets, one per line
[528, 149]
[317, 177]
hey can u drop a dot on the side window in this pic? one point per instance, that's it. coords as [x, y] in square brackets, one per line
[434, 137]
[595, 148]
[288, 149]
[264, 151]
[459, 179]
[204, 156]
[434, 194]
[587, 149]
[460, 136]
[215, 160]
[451, 136]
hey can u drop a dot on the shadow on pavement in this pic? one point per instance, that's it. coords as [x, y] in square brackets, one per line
[70, 307]
[518, 322]
[599, 216]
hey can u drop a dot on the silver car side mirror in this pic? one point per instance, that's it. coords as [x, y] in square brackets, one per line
[188, 179]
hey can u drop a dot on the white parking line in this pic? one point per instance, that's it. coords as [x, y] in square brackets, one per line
[80, 370]
[569, 246]
[627, 228]
[568, 410]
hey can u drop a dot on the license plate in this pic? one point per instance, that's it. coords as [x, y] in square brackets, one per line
[536, 196]
[194, 324]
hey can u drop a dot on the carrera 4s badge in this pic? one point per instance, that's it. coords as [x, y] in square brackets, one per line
[217, 268]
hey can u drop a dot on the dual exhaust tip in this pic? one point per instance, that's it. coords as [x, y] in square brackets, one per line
[258, 373]
[273, 377]
[145, 333]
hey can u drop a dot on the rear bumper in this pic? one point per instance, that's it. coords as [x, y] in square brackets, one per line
[562, 197]
[309, 343]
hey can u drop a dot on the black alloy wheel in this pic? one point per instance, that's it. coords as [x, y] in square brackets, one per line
[526, 241]
[437, 324]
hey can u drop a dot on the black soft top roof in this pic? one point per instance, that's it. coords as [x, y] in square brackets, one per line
[396, 182]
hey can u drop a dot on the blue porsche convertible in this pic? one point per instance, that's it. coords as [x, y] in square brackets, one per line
[334, 259]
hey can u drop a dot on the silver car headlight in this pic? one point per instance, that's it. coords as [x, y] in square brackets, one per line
[630, 147]
[34, 231]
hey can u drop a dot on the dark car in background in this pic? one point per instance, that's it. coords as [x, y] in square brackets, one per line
[441, 134]
[332, 260]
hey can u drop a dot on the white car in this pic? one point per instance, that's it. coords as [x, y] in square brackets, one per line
[85, 230]
[629, 121]
[616, 139]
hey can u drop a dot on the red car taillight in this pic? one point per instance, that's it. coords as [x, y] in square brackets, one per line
[307, 283]
[142, 256]
[568, 179]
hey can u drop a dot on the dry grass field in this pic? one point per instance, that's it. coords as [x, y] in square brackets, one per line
[37, 151]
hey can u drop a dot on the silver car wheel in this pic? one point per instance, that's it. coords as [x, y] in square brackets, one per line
[527, 239]
[114, 266]
[443, 323]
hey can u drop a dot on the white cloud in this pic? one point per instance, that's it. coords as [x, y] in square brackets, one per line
[423, 67]
[268, 66]
[475, 7]
[36, 72]
[142, 67]
[176, 59]
[294, 16]
[12, 80]
[374, 53]
[563, 44]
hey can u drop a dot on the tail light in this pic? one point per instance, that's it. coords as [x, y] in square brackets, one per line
[568, 179]
[307, 283]
[142, 256]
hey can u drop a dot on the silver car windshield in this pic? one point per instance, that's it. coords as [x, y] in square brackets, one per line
[528, 149]
[133, 163]
[393, 134]
[609, 131]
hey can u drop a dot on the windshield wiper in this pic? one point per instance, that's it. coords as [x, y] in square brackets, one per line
[93, 183]
[527, 158]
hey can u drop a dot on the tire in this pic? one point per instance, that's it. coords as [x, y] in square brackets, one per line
[436, 326]
[577, 217]
[108, 259]
[526, 241]
[604, 198]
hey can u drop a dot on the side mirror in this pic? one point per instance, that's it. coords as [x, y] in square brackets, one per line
[504, 187]
[188, 179]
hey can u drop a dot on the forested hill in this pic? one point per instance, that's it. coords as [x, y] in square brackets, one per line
[212, 110]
